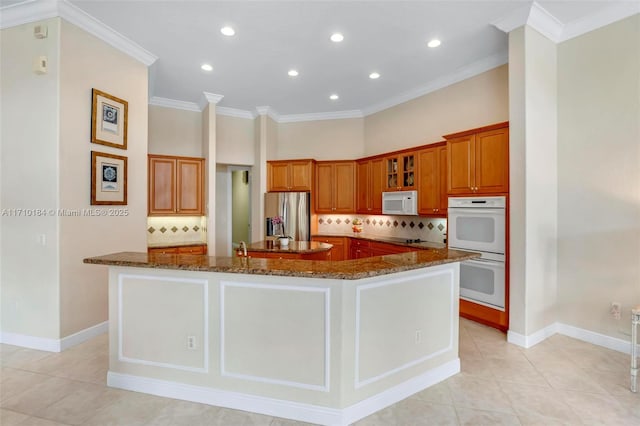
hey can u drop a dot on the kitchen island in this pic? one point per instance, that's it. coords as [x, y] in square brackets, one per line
[322, 342]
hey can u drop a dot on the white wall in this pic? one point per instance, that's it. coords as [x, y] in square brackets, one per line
[175, 131]
[477, 101]
[30, 145]
[85, 63]
[599, 176]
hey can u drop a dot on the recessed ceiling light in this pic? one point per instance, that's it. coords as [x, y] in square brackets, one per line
[228, 31]
[374, 75]
[206, 67]
[293, 73]
[434, 43]
[334, 97]
[337, 37]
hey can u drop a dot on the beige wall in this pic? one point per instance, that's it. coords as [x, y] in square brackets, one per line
[235, 140]
[321, 140]
[175, 131]
[85, 63]
[475, 102]
[599, 176]
[30, 147]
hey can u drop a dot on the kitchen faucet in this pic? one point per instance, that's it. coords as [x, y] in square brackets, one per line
[243, 246]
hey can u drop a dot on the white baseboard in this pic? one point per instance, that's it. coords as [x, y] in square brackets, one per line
[281, 408]
[588, 336]
[84, 335]
[53, 345]
[603, 340]
[31, 342]
[532, 339]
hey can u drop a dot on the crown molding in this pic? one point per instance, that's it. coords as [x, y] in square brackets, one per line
[457, 76]
[172, 103]
[267, 110]
[317, 116]
[37, 10]
[613, 13]
[548, 25]
[545, 23]
[536, 17]
[235, 112]
[28, 11]
[209, 98]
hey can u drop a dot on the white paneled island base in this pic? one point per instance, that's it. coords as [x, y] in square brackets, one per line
[320, 350]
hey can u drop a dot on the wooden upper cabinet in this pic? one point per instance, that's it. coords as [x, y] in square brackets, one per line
[175, 186]
[335, 187]
[190, 183]
[369, 183]
[432, 166]
[401, 172]
[478, 161]
[289, 175]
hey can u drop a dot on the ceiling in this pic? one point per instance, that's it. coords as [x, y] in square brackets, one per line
[250, 68]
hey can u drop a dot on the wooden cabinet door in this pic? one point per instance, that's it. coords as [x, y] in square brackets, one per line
[429, 183]
[442, 181]
[344, 187]
[409, 169]
[338, 249]
[300, 173]
[278, 176]
[363, 187]
[377, 181]
[461, 165]
[162, 189]
[190, 187]
[324, 188]
[392, 174]
[492, 161]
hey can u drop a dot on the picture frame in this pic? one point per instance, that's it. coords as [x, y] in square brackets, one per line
[109, 119]
[108, 179]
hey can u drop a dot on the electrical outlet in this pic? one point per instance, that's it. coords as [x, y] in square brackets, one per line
[615, 309]
[191, 342]
[418, 336]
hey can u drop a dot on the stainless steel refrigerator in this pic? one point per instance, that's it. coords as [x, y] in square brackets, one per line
[294, 209]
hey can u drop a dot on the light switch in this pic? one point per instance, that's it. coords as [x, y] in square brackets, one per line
[40, 65]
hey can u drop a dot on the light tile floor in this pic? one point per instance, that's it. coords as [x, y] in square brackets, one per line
[560, 381]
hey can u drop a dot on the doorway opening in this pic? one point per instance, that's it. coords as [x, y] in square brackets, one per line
[240, 202]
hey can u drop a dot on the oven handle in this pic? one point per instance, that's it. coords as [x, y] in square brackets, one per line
[487, 211]
[486, 262]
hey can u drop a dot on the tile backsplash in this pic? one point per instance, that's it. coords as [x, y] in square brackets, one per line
[176, 229]
[424, 228]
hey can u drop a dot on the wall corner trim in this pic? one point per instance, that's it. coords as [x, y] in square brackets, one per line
[532, 339]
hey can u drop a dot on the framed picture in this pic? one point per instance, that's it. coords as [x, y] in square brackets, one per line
[108, 120]
[108, 179]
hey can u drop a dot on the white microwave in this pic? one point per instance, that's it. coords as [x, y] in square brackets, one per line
[400, 203]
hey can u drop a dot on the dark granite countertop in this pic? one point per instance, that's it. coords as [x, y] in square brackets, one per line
[391, 240]
[345, 270]
[298, 247]
[176, 244]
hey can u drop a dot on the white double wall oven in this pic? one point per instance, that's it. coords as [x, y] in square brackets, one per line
[479, 224]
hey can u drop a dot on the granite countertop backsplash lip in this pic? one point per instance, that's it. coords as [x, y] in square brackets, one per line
[298, 247]
[344, 270]
[383, 239]
[176, 244]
